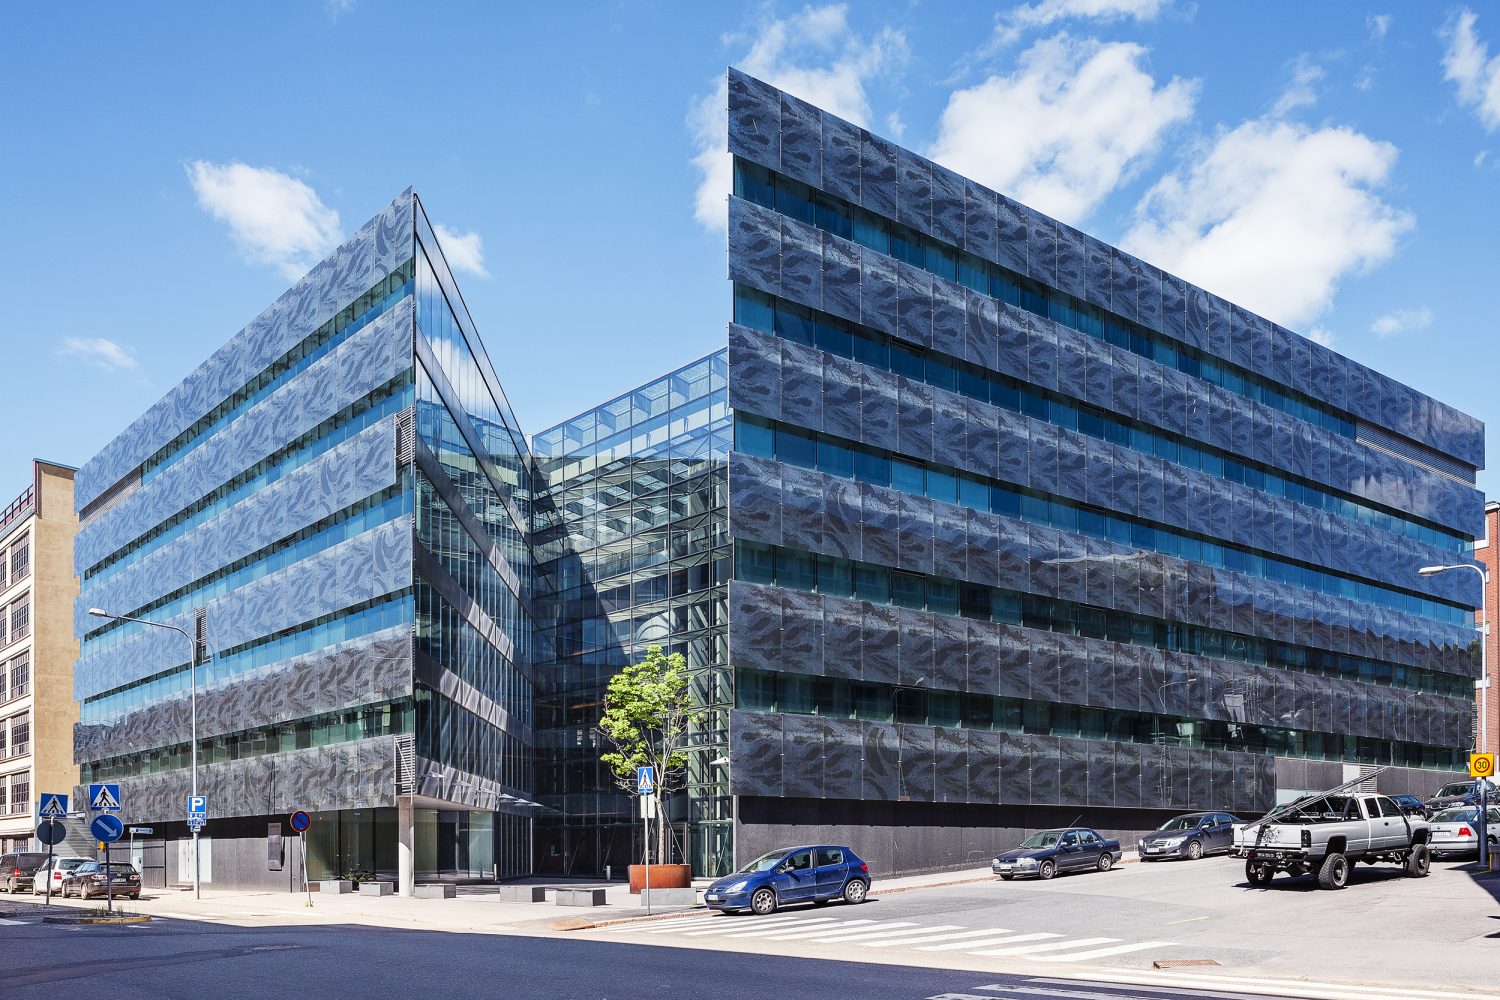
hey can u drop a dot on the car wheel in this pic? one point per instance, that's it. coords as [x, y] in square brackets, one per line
[1194, 850]
[1418, 862]
[10, 886]
[1106, 862]
[1258, 874]
[1006, 878]
[1334, 872]
[1047, 870]
[855, 892]
[763, 902]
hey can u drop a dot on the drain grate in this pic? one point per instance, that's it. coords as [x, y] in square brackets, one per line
[1182, 963]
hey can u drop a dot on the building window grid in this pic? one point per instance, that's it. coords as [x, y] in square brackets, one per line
[18, 672]
[795, 446]
[800, 324]
[20, 734]
[20, 793]
[20, 619]
[792, 569]
[20, 560]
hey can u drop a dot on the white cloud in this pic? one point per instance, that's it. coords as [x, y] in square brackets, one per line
[1075, 120]
[1320, 335]
[1480, 158]
[814, 55]
[1036, 16]
[274, 218]
[99, 352]
[1467, 62]
[1401, 321]
[1273, 215]
[1300, 93]
[463, 251]
[1365, 80]
[336, 9]
[1378, 25]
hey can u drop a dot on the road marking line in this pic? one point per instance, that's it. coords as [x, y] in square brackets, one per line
[676, 924]
[1032, 949]
[1119, 949]
[717, 923]
[926, 937]
[1082, 994]
[843, 926]
[955, 945]
[1177, 992]
[817, 933]
[879, 932]
[1189, 920]
[12, 923]
[821, 922]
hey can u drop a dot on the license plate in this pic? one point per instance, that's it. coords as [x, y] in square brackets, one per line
[712, 897]
[1442, 834]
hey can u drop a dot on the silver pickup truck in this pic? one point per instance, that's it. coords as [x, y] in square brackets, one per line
[1327, 833]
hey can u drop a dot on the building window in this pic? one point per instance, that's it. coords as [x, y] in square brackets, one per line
[20, 559]
[20, 792]
[20, 735]
[20, 619]
[20, 675]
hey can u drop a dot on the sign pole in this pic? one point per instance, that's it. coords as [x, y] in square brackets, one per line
[109, 880]
[306, 885]
[49, 873]
[646, 818]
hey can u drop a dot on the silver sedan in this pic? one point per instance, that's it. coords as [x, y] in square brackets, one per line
[1456, 831]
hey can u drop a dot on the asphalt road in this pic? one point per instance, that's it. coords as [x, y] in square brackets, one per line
[183, 960]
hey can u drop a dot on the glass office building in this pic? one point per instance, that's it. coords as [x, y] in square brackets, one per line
[1026, 529]
[336, 506]
[632, 537]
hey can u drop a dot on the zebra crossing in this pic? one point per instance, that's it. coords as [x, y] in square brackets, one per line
[805, 928]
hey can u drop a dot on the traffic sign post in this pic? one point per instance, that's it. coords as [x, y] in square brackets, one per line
[50, 832]
[108, 829]
[645, 786]
[302, 822]
[53, 807]
[104, 798]
[1482, 768]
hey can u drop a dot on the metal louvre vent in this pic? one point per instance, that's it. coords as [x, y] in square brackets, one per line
[1410, 451]
[405, 437]
[406, 764]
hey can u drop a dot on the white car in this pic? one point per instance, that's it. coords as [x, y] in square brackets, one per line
[61, 868]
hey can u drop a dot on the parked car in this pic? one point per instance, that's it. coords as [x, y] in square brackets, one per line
[18, 868]
[1461, 793]
[1044, 854]
[1456, 831]
[60, 869]
[1412, 805]
[815, 875]
[88, 880]
[1190, 836]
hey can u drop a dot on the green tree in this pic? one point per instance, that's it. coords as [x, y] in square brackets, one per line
[647, 711]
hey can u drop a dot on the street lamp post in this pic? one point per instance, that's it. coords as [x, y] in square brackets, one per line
[1483, 684]
[193, 697]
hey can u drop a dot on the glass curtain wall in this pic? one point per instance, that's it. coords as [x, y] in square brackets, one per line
[632, 537]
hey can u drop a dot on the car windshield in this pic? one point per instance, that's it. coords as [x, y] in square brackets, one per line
[764, 863]
[68, 864]
[1180, 823]
[1047, 838]
[1456, 788]
[1466, 815]
[30, 862]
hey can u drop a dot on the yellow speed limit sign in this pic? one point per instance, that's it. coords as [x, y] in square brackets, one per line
[1481, 765]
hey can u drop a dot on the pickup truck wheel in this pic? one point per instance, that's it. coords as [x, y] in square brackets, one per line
[1417, 862]
[1334, 872]
[1258, 874]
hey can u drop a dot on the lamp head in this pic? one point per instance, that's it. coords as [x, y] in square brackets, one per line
[1433, 570]
[100, 613]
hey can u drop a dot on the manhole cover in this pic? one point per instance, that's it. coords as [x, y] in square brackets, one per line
[1182, 963]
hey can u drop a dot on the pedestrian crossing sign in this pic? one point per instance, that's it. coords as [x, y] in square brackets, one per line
[104, 798]
[53, 807]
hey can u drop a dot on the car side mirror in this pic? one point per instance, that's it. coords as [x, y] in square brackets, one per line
[786, 867]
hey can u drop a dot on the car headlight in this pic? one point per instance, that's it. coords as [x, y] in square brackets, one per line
[1173, 842]
[1028, 862]
[738, 886]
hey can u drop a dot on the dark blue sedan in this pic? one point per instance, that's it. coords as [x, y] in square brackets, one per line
[1044, 854]
[792, 875]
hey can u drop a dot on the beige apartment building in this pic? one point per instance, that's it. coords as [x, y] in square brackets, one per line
[37, 649]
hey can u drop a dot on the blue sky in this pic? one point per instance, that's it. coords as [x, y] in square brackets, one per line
[169, 171]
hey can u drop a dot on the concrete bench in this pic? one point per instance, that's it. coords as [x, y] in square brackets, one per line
[669, 897]
[580, 897]
[437, 890]
[338, 886]
[521, 893]
[376, 888]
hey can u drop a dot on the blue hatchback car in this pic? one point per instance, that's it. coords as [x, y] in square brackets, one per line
[792, 875]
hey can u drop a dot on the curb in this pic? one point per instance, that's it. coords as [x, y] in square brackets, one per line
[96, 920]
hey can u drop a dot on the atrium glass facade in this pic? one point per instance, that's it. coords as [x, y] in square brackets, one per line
[1025, 527]
[632, 533]
[336, 505]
